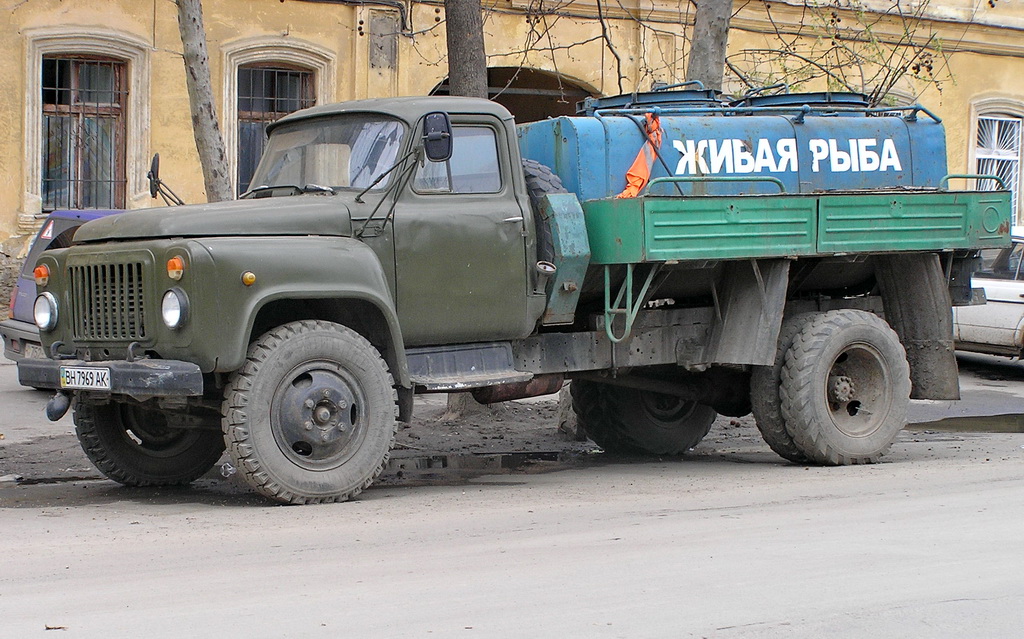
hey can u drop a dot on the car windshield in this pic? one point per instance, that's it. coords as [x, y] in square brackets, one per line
[345, 151]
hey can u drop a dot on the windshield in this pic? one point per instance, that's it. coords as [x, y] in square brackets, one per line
[346, 151]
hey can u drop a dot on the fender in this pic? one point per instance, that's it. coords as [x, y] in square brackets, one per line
[287, 269]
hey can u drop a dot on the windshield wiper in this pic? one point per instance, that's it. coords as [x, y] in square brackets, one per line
[254, 192]
[309, 188]
[400, 162]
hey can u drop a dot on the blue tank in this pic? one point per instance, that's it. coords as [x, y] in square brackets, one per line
[810, 142]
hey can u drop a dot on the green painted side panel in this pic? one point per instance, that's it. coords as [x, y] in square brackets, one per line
[728, 227]
[616, 230]
[699, 228]
[655, 229]
[913, 221]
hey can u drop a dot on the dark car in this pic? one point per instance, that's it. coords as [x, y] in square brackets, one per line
[20, 335]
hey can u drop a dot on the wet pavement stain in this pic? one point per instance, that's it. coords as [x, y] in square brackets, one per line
[988, 424]
[455, 468]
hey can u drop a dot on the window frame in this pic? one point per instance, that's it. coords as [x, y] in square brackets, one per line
[104, 43]
[998, 108]
[80, 109]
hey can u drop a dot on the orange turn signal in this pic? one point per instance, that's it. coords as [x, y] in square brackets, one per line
[41, 274]
[248, 278]
[175, 267]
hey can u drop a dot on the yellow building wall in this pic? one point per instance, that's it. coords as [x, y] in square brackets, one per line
[985, 59]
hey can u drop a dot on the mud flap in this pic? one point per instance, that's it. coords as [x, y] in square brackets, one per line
[919, 309]
[749, 311]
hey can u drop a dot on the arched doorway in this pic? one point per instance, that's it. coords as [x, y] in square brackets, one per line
[530, 94]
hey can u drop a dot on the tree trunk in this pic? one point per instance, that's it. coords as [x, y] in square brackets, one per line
[467, 75]
[709, 42]
[209, 142]
[467, 63]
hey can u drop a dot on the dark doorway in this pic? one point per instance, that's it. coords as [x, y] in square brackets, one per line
[530, 94]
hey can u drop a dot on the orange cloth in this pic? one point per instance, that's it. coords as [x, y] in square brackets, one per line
[640, 171]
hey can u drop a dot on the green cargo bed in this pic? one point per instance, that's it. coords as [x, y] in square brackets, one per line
[665, 228]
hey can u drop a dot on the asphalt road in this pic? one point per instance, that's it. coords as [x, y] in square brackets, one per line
[728, 542]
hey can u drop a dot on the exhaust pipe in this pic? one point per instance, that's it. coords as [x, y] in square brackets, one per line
[58, 406]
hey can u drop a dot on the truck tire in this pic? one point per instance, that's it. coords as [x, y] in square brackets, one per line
[845, 388]
[310, 417]
[765, 399]
[135, 447]
[540, 181]
[628, 420]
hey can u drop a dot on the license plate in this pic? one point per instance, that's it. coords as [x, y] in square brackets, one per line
[85, 378]
[34, 351]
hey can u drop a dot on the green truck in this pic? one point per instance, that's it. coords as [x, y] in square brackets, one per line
[413, 245]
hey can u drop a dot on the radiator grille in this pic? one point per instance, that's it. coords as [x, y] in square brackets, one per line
[107, 302]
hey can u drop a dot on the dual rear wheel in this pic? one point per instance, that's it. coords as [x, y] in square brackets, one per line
[838, 392]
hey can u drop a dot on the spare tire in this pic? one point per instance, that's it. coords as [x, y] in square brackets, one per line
[541, 181]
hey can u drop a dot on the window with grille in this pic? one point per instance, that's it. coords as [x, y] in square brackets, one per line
[997, 151]
[83, 133]
[265, 94]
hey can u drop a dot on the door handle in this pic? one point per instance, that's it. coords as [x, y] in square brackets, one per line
[509, 220]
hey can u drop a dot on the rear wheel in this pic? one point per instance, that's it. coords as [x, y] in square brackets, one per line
[628, 420]
[140, 447]
[310, 417]
[765, 400]
[845, 388]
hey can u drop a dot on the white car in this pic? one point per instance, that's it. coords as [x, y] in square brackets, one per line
[997, 327]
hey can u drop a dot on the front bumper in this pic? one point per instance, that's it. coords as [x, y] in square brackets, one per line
[141, 379]
[21, 339]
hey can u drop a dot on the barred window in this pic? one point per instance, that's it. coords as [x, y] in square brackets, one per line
[265, 94]
[998, 152]
[83, 122]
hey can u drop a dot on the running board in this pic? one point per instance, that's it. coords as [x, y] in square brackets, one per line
[463, 367]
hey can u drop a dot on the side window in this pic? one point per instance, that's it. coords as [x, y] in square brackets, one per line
[265, 94]
[83, 150]
[1002, 264]
[473, 167]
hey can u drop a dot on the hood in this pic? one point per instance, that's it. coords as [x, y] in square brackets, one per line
[293, 215]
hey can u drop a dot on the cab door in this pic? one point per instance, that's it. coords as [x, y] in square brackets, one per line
[461, 269]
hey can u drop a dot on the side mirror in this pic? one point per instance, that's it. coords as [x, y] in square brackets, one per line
[156, 187]
[437, 136]
[154, 176]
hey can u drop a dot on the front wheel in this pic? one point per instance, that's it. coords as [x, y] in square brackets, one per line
[136, 446]
[845, 388]
[310, 417]
[628, 420]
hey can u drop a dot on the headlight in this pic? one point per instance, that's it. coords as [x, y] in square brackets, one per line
[174, 308]
[44, 312]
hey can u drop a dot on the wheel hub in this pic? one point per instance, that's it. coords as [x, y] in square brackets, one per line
[858, 390]
[840, 389]
[316, 417]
